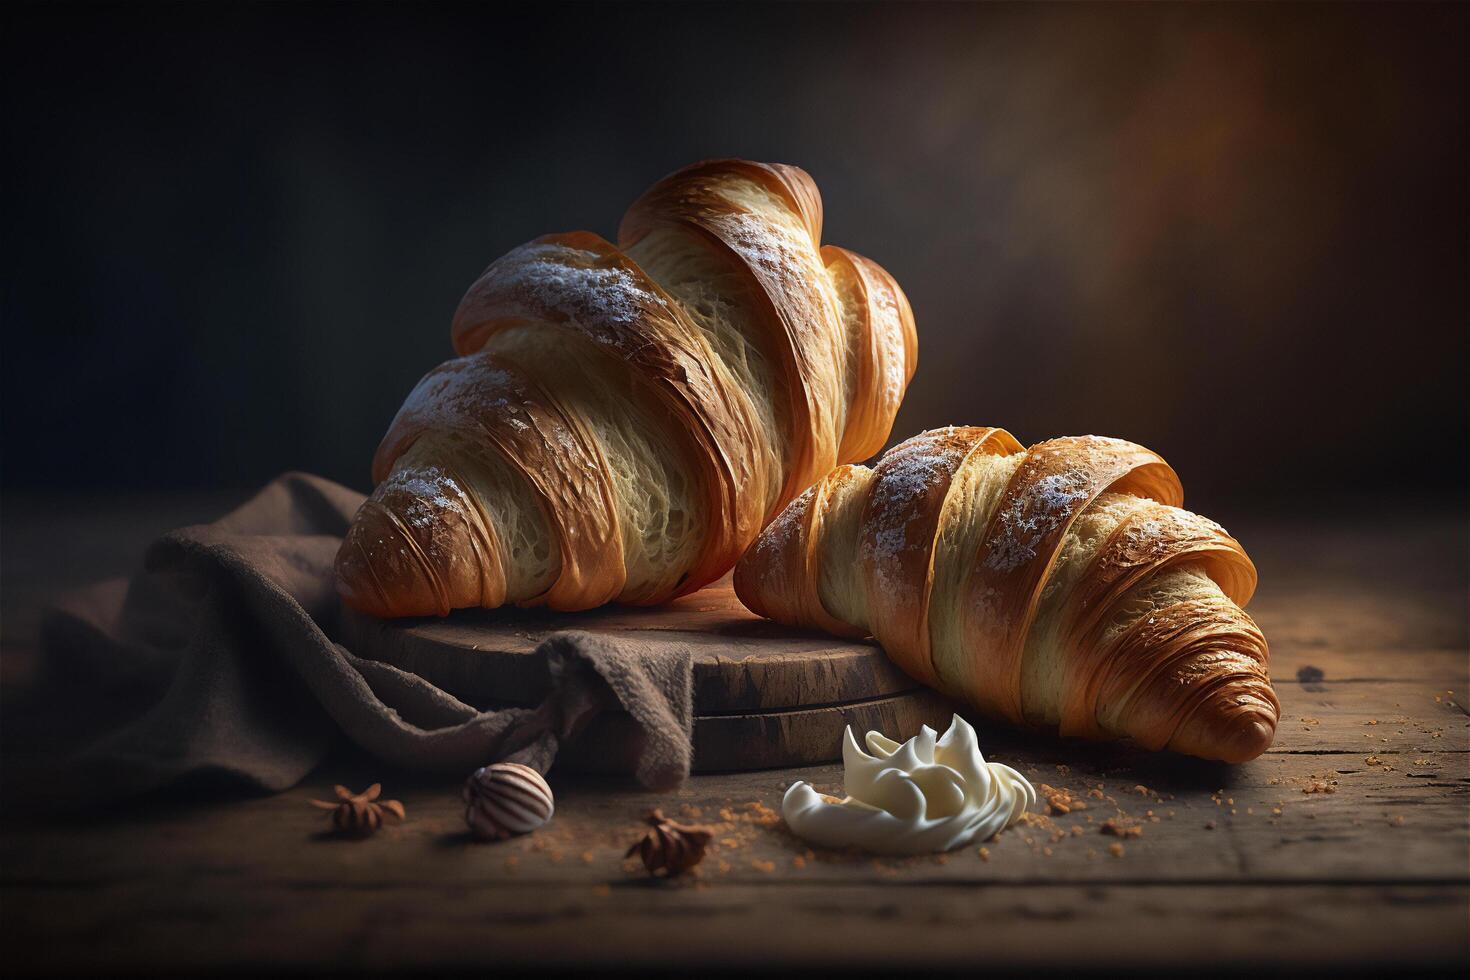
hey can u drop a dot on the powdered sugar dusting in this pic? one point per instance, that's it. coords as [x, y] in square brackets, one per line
[770, 239]
[1166, 529]
[430, 491]
[1033, 516]
[764, 244]
[578, 284]
[783, 258]
[783, 532]
[908, 472]
[461, 389]
[1144, 531]
[889, 325]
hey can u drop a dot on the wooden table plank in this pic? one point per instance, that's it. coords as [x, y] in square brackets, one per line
[255, 882]
[866, 926]
[1367, 823]
[1369, 869]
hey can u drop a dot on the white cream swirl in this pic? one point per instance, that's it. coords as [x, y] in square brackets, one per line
[921, 797]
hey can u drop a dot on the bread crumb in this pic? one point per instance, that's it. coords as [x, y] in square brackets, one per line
[985, 854]
[1116, 850]
[1060, 801]
[761, 814]
[1120, 827]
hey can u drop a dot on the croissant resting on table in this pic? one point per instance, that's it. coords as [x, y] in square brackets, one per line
[624, 419]
[1057, 587]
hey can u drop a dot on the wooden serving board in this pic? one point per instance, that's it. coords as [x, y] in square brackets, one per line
[765, 695]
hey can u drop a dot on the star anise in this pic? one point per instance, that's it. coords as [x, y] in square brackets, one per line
[360, 814]
[670, 848]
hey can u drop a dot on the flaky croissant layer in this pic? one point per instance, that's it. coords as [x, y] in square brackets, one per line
[1059, 587]
[623, 420]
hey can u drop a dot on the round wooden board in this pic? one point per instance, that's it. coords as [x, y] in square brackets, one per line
[771, 740]
[765, 695]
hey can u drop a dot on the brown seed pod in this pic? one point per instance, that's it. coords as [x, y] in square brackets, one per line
[506, 798]
[670, 848]
[360, 814]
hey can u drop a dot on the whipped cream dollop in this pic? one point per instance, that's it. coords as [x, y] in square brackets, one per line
[920, 797]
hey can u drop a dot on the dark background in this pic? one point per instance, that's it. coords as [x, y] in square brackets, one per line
[234, 236]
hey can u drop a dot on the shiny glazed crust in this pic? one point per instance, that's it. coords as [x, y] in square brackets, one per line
[1059, 587]
[623, 420]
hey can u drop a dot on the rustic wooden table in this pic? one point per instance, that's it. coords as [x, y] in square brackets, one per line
[1347, 845]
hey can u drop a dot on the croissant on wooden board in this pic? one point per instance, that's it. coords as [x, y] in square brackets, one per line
[1058, 587]
[623, 420]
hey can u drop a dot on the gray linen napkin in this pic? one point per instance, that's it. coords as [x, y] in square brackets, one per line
[222, 643]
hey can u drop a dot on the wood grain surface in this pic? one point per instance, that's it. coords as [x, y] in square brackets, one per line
[1345, 847]
[742, 663]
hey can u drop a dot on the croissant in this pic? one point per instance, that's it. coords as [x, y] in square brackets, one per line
[623, 420]
[1059, 587]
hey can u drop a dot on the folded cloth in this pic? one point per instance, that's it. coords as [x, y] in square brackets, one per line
[223, 644]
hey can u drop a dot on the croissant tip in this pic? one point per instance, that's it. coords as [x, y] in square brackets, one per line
[743, 585]
[1233, 741]
[1248, 741]
[351, 575]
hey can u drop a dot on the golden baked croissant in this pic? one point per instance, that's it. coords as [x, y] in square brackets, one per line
[624, 420]
[1057, 587]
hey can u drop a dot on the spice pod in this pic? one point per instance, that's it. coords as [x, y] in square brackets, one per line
[360, 814]
[670, 848]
